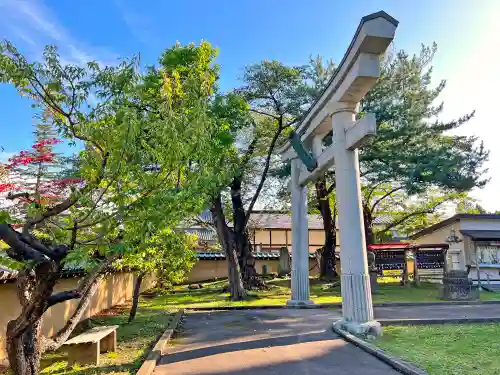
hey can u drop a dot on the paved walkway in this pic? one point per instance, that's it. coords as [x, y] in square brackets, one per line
[285, 341]
[438, 312]
[290, 342]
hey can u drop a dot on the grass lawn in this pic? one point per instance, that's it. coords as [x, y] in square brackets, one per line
[279, 293]
[133, 340]
[470, 349]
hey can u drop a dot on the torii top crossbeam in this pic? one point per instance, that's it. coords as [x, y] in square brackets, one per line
[356, 74]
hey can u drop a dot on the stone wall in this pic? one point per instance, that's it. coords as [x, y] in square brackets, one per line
[114, 290]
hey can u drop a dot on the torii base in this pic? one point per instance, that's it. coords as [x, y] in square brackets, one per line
[295, 304]
[370, 328]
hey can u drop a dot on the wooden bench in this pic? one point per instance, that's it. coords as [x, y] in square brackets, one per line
[87, 347]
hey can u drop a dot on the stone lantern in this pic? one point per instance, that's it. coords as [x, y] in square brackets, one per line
[456, 283]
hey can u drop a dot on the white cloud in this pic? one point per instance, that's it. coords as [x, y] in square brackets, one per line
[40, 27]
[138, 24]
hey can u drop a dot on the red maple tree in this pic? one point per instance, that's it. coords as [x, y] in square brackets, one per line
[32, 183]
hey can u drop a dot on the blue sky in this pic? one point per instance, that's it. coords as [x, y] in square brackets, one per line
[249, 31]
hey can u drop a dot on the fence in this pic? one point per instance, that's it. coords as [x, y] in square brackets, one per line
[117, 288]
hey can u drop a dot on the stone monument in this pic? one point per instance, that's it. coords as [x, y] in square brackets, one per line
[336, 109]
[284, 268]
[458, 287]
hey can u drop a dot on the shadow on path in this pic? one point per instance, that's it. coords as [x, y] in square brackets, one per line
[290, 342]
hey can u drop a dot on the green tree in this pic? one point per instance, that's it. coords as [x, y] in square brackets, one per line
[413, 151]
[405, 213]
[169, 254]
[468, 205]
[150, 157]
[229, 117]
[275, 95]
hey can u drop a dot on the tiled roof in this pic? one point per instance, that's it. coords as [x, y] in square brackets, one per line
[383, 219]
[283, 220]
[204, 234]
[209, 255]
[8, 275]
[274, 220]
[206, 217]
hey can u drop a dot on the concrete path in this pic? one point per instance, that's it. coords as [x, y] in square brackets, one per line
[438, 312]
[285, 341]
[291, 342]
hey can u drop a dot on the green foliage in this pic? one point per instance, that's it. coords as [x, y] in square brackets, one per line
[412, 146]
[404, 212]
[277, 95]
[276, 90]
[413, 151]
[171, 254]
[468, 205]
[152, 145]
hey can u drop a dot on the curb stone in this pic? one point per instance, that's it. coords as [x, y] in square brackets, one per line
[149, 364]
[394, 362]
[339, 305]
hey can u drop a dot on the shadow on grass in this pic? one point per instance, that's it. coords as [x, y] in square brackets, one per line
[389, 290]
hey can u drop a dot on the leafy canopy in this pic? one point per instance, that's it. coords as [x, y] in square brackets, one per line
[150, 149]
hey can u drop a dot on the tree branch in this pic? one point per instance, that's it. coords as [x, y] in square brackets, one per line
[51, 344]
[264, 172]
[38, 246]
[19, 250]
[127, 207]
[63, 296]
[404, 218]
[264, 113]
[248, 154]
[66, 204]
[203, 224]
[86, 289]
[372, 190]
[11, 196]
[330, 189]
[374, 205]
[91, 240]
[73, 235]
[58, 108]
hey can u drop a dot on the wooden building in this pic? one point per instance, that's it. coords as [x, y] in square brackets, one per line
[269, 231]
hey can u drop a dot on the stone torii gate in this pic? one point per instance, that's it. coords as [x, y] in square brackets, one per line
[336, 108]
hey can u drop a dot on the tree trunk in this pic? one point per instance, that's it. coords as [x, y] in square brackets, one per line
[34, 287]
[24, 351]
[135, 298]
[52, 344]
[246, 259]
[328, 266]
[368, 221]
[88, 287]
[235, 284]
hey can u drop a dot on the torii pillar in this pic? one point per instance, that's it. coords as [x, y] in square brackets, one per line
[336, 109]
